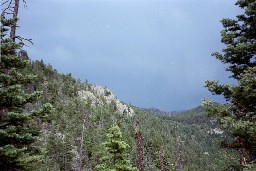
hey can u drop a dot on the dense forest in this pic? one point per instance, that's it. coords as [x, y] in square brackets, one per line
[52, 121]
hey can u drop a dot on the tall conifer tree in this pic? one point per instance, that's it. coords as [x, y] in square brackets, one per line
[238, 115]
[19, 129]
[116, 157]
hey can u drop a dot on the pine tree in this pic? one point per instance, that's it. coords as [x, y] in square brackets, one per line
[115, 157]
[238, 115]
[19, 128]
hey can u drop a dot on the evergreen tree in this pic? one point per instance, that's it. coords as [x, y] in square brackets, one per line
[115, 157]
[19, 128]
[238, 115]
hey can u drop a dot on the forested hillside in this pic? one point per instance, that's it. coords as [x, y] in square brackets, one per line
[78, 126]
[52, 121]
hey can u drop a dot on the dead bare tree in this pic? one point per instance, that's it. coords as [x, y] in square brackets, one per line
[15, 15]
[82, 152]
[161, 158]
[140, 150]
[178, 154]
[11, 10]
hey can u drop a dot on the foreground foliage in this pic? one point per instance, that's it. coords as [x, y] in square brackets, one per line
[238, 115]
[19, 119]
[74, 137]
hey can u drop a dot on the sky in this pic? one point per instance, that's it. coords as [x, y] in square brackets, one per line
[149, 53]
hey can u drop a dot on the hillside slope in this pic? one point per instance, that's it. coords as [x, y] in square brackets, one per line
[73, 137]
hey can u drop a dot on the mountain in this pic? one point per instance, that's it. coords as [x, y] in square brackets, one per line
[83, 112]
[157, 111]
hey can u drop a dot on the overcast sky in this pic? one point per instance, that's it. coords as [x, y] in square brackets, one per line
[150, 53]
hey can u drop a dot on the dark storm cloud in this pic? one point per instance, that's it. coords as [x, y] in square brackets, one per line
[149, 53]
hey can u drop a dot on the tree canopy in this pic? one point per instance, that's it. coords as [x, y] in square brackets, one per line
[238, 115]
[116, 156]
[19, 129]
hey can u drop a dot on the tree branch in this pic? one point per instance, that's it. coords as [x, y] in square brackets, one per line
[7, 8]
[21, 39]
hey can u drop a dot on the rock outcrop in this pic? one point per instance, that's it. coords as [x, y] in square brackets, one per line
[99, 95]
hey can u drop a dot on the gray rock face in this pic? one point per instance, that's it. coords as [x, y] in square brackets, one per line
[100, 95]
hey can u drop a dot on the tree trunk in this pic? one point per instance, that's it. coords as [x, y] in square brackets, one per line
[140, 147]
[15, 15]
[242, 156]
[161, 158]
[178, 154]
[84, 126]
